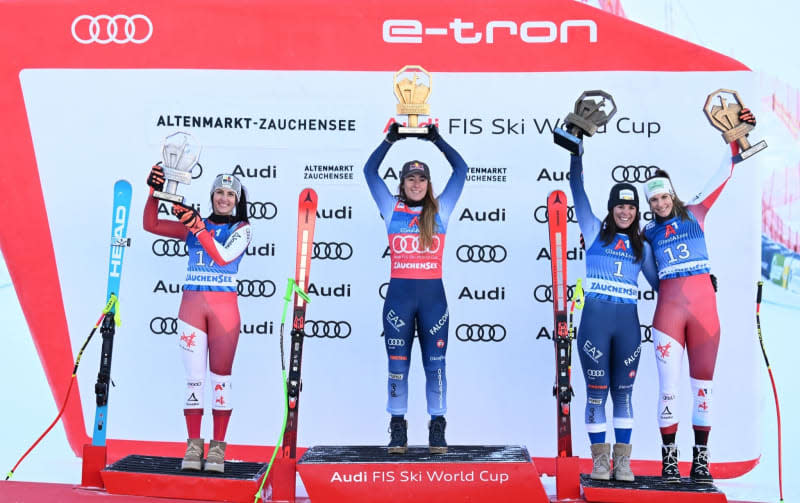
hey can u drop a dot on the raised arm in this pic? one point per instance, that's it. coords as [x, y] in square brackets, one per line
[452, 191]
[587, 221]
[152, 223]
[702, 202]
[380, 193]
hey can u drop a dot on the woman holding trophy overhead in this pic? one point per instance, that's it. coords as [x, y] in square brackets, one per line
[208, 320]
[416, 222]
[686, 316]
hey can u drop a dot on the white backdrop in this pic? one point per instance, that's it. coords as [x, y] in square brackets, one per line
[96, 126]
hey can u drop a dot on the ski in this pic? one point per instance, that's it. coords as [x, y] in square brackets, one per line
[562, 390]
[306, 219]
[119, 240]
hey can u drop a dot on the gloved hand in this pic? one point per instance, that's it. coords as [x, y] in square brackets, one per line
[156, 178]
[190, 218]
[393, 134]
[745, 115]
[433, 133]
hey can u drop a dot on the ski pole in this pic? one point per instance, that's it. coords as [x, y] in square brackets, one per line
[291, 287]
[774, 389]
[112, 304]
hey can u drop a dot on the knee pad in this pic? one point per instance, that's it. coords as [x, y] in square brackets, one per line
[195, 390]
[222, 392]
[702, 402]
[194, 350]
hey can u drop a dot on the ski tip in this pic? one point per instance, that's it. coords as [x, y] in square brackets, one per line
[308, 195]
[557, 196]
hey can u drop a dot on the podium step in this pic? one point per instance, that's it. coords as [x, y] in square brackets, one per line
[162, 477]
[465, 473]
[648, 489]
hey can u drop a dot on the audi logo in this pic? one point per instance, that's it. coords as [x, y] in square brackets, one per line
[544, 293]
[409, 243]
[169, 248]
[632, 173]
[382, 290]
[167, 326]
[255, 288]
[481, 253]
[540, 214]
[329, 329]
[480, 332]
[332, 251]
[104, 29]
[395, 342]
[261, 211]
[647, 333]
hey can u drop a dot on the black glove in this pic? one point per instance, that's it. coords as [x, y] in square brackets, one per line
[745, 115]
[433, 133]
[393, 135]
[156, 178]
[713, 281]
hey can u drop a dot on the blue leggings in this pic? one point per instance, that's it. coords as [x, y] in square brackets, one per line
[419, 302]
[609, 347]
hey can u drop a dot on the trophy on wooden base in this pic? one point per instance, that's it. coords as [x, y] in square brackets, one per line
[412, 86]
[585, 120]
[725, 117]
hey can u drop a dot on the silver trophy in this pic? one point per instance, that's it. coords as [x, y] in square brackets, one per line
[585, 120]
[180, 152]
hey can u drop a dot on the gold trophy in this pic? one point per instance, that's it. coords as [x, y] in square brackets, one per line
[725, 117]
[412, 96]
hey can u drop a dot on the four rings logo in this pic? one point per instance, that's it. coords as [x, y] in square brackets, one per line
[540, 214]
[169, 248]
[481, 253]
[480, 332]
[332, 251]
[329, 329]
[255, 288]
[409, 243]
[261, 211]
[167, 326]
[632, 173]
[544, 293]
[104, 29]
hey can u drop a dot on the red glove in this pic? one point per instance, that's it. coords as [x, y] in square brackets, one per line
[190, 218]
[745, 115]
[156, 178]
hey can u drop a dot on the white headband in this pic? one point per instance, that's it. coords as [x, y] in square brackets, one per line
[659, 185]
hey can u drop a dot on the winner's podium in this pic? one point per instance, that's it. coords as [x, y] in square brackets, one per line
[465, 473]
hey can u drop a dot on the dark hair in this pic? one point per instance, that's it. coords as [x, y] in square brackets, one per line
[634, 234]
[678, 206]
[427, 218]
[240, 213]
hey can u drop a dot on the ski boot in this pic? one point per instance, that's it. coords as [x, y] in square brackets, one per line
[601, 467]
[436, 441]
[700, 473]
[193, 459]
[398, 428]
[215, 462]
[669, 464]
[622, 463]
